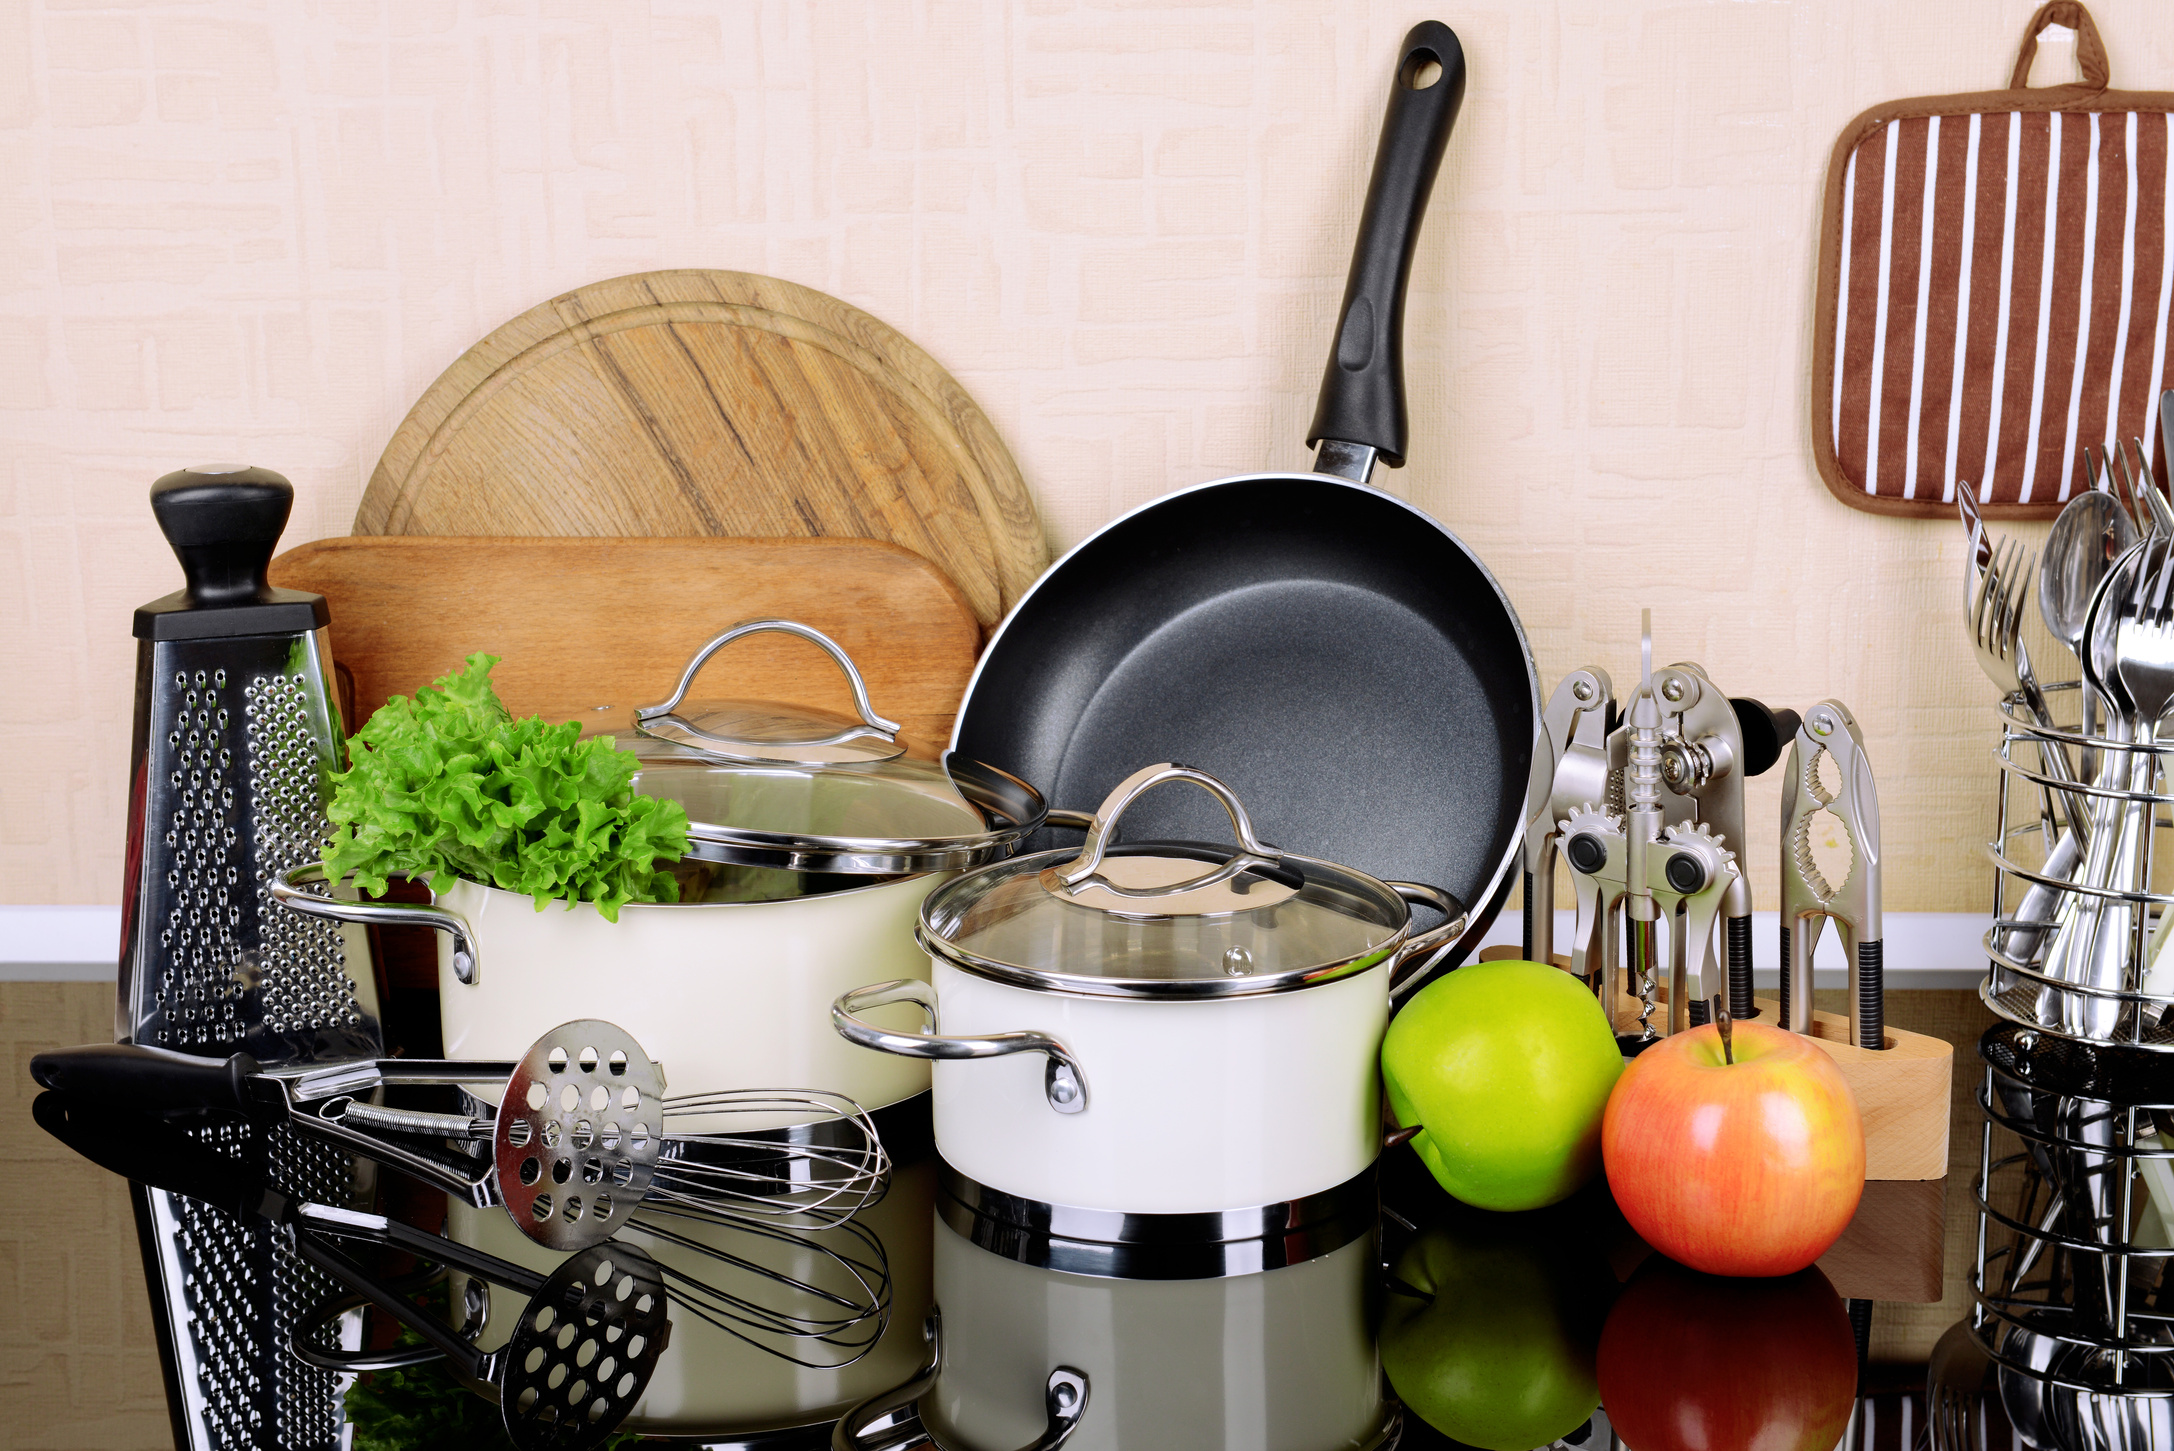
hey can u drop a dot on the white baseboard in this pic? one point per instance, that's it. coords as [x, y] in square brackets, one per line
[1941, 950]
[59, 944]
[1925, 950]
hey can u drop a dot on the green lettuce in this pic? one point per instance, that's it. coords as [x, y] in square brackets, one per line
[448, 784]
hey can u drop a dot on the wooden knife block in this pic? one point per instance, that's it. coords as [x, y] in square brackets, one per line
[1902, 1091]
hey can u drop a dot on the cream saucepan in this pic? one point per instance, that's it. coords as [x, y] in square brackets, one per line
[1158, 1030]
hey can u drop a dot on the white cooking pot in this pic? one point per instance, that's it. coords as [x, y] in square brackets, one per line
[1023, 1356]
[1167, 1038]
[813, 838]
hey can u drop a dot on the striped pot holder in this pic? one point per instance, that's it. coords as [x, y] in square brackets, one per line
[1994, 285]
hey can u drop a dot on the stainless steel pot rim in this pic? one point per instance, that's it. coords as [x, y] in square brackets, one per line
[875, 884]
[1011, 808]
[1390, 952]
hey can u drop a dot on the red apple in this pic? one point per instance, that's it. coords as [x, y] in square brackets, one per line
[1689, 1362]
[1745, 1168]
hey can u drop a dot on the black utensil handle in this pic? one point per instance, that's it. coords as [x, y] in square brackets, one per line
[1362, 393]
[1871, 995]
[156, 1154]
[1736, 932]
[1530, 939]
[223, 521]
[151, 1080]
[400, 1307]
[1785, 972]
[1767, 732]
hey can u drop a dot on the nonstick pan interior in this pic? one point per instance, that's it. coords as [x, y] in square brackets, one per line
[1335, 656]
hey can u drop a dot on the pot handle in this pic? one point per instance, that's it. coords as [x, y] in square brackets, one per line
[1063, 1083]
[875, 1424]
[1084, 871]
[1422, 946]
[288, 891]
[871, 724]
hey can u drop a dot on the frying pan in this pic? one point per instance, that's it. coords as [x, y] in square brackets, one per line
[1335, 655]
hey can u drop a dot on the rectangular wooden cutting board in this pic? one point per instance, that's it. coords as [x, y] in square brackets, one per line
[590, 622]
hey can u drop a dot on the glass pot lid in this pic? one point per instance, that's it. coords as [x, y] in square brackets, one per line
[770, 785]
[1175, 920]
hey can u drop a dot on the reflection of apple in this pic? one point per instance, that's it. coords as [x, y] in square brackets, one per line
[1507, 1066]
[1745, 1168]
[1489, 1330]
[1690, 1362]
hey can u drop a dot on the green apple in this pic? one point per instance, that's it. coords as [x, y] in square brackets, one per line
[1489, 1334]
[1506, 1067]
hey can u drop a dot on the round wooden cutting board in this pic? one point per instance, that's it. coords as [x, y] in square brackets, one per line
[697, 403]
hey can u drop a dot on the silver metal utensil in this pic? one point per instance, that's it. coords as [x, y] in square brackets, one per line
[1808, 899]
[1994, 603]
[582, 1137]
[2092, 531]
[1569, 768]
[2143, 488]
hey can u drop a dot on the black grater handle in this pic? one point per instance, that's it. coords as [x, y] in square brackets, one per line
[224, 520]
[156, 1154]
[157, 1080]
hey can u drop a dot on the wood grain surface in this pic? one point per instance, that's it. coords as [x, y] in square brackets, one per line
[692, 403]
[582, 623]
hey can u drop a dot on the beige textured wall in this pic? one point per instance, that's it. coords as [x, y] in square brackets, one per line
[260, 229]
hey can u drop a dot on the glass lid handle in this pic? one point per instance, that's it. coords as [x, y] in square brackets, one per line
[1085, 869]
[871, 723]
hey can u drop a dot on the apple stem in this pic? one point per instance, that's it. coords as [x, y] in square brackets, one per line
[1721, 1022]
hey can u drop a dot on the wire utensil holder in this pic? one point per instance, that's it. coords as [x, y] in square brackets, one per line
[2036, 900]
[2072, 1300]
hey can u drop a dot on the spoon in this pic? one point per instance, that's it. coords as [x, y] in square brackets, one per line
[2092, 532]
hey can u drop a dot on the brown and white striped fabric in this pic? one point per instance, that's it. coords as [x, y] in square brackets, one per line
[1996, 293]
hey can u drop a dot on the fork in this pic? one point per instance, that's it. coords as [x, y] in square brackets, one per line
[2143, 658]
[2143, 489]
[1994, 607]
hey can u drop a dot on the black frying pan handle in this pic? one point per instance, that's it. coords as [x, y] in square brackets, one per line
[149, 1080]
[1362, 393]
[156, 1154]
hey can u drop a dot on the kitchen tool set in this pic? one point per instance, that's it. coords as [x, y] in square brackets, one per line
[1141, 1062]
[1646, 809]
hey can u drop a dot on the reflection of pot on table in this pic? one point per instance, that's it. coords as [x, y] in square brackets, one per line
[1283, 1361]
[711, 1382]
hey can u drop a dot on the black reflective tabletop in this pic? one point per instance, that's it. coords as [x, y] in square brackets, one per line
[1430, 1324]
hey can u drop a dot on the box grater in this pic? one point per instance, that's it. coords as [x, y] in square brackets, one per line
[235, 729]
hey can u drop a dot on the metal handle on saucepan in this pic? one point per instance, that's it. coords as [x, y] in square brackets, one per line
[1419, 948]
[467, 966]
[1084, 870]
[1062, 1083]
[871, 723]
